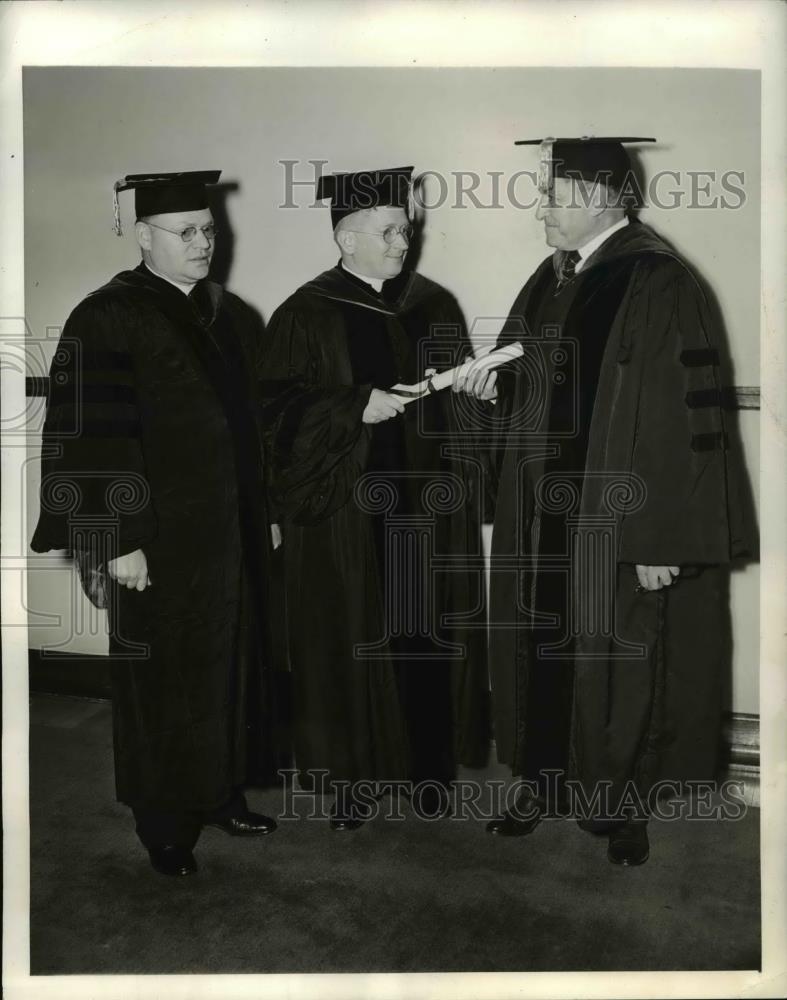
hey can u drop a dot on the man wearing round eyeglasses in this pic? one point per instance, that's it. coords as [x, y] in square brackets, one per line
[152, 430]
[185, 260]
[380, 509]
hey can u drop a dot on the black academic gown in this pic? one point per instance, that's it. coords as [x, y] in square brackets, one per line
[612, 452]
[382, 688]
[152, 442]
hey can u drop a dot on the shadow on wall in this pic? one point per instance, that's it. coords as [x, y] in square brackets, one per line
[224, 251]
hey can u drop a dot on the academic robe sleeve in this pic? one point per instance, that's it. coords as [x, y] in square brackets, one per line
[95, 497]
[317, 444]
[680, 449]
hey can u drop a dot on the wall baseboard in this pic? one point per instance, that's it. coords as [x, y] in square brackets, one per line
[741, 740]
[74, 674]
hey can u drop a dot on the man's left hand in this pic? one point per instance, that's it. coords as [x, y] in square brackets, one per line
[656, 577]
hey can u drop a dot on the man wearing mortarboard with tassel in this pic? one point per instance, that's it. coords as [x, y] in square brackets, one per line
[152, 476]
[621, 498]
[385, 689]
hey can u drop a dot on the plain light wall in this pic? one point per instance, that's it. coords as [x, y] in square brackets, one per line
[85, 128]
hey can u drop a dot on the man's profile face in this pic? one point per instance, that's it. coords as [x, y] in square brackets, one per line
[184, 262]
[371, 255]
[568, 218]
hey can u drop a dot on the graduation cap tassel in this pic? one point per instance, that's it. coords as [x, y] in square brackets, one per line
[116, 207]
[545, 165]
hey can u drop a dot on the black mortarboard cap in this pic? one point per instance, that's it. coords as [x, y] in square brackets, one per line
[593, 158]
[157, 194]
[365, 189]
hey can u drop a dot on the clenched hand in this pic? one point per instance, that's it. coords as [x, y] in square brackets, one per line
[130, 570]
[381, 406]
[656, 577]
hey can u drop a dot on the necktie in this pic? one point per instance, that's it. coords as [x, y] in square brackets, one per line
[568, 266]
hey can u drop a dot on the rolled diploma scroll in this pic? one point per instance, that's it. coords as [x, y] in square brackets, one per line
[494, 359]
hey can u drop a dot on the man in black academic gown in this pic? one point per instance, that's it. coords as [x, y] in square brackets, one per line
[617, 496]
[152, 476]
[380, 514]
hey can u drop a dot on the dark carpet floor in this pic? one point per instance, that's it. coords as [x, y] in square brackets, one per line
[404, 896]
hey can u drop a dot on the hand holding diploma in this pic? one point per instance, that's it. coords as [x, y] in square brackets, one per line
[382, 405]
[481, 383]
[476, 376]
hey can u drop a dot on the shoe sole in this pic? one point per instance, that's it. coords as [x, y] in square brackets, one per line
[626, 863]
[179, 874]
[515, 832]
[511, 836]
[250, 833]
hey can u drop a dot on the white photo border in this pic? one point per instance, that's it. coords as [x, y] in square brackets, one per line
[750, 34]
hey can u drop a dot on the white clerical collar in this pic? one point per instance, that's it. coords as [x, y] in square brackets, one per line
[591, 247]
[376, 283]
[186, 289]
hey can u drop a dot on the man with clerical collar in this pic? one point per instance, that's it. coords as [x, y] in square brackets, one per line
[152, 476]
[385, 688]
[619, 494]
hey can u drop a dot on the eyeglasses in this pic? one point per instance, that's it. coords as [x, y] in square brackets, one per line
[389, 234]
[190, 232]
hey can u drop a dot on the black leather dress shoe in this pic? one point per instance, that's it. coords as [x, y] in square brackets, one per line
[345, 816]
[629, 845]
[249, 824]
[527, 817]
[172, 860]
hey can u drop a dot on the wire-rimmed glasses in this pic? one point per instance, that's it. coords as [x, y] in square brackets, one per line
[188, 233]
[389, 234]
